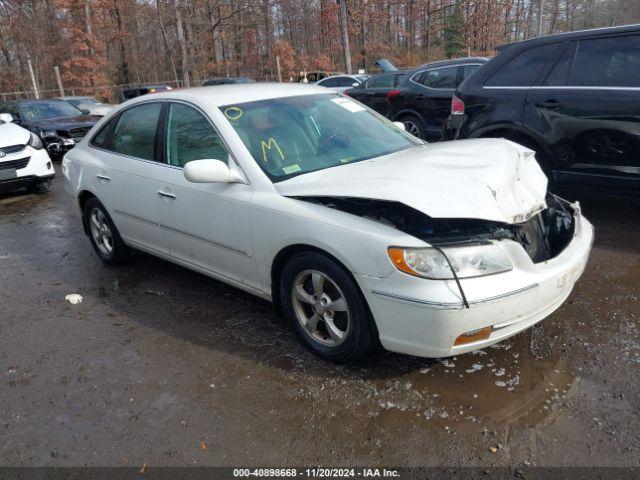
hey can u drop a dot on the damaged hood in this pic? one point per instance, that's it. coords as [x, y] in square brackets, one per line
[489, 179]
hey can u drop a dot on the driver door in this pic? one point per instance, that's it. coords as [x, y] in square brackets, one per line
[206, 225]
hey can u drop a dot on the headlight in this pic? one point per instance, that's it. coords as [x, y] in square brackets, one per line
[48, 134]
[467, 261]
[35, 142]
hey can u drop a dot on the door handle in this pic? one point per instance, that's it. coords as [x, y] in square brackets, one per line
[548, 104]
[103, 177]
[166, 195]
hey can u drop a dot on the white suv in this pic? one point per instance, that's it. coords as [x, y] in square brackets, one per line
[23, 161]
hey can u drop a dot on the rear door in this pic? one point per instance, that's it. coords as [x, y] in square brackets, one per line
[376, 90]
[432, 97]
[125, 168]
[587, 109]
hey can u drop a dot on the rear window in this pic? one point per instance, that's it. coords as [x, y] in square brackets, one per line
[383, 81]
[439, 78]
[522, 70]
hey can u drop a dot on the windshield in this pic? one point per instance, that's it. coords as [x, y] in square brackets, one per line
[48, 109]
[76, 102]
[295, 135]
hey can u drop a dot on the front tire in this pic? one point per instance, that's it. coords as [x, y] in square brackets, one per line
[325, 308]
[103, 234]
[40, 187]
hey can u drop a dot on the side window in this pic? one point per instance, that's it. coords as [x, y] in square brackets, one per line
[331, 82]
[559, 74]
[190, 136]
[12, 108]
[347, 82]
[101, 139]
[522, 70]
[135, 133]
[468, 70]
[440, 78]
[383, 81]
[607, 62]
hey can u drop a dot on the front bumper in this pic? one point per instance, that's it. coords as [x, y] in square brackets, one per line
[38, 169]
[423, 317]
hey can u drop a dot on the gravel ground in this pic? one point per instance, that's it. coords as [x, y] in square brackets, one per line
[163, 366]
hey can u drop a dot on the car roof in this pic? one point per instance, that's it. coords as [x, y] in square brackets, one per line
[37, 100]
[574, 34]
[219, 95]
[452, 62]
[71, 97]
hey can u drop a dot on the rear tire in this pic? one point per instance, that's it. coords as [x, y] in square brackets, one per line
[103, 234]
[413, 125]
[310, 285]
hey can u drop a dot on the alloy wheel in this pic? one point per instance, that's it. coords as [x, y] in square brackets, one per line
[411, 128]
[101, 231]
[321, 308]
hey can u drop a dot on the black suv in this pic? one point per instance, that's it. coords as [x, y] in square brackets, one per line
[422, 100]
[574, 98]
[373, 92]
[59, 124]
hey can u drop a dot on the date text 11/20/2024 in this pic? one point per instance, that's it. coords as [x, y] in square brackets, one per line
[317, 472]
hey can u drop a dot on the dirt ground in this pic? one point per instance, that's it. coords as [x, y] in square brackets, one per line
[164, 366]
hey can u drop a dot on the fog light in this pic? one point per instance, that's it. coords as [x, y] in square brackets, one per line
[473, 336]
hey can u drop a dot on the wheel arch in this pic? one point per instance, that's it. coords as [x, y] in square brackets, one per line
[495, 131]
[408, 111]
[82, 199]
[280, 260]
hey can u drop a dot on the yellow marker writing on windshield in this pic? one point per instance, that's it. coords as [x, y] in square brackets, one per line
[267, 146]
[233, 113]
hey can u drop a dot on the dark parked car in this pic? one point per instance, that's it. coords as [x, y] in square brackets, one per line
[374, 91]
[134, 91]
[226, 81]
[422, 100]
[574, 98]
[58, 123]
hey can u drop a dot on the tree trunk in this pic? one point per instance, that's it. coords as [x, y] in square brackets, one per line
[345, 35]
[184, 52]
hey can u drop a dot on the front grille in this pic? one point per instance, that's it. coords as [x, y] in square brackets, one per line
[17, 164]
[13, 148]
[75, 133]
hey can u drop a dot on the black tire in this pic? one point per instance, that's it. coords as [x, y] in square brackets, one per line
[40, 187]
[359, 339]
[413, 125]
[119, 252]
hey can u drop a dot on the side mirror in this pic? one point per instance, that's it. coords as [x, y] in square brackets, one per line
[355, 84]
[6, 117]
[400, 125]
[85, 111]
[210, 171]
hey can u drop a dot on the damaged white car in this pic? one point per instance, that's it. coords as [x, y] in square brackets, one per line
[356, 230]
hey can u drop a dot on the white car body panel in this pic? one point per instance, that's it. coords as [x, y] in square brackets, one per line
[233, 232]
[39, 164]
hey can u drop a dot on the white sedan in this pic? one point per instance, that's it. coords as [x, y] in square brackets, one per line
[23, 160]
[341, 83]
[356, 230]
